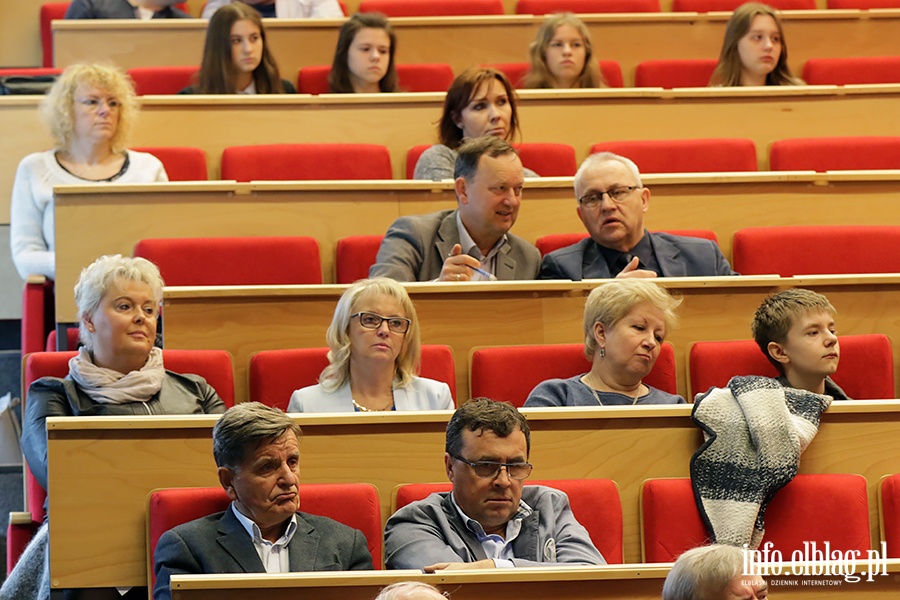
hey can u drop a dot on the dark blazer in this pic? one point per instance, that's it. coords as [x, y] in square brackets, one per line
[287, 85]
[678, 256]
[115, 9]
[220, 544]
[414, 249]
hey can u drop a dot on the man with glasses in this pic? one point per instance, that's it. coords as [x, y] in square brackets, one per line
[490, 519]
[611, 204]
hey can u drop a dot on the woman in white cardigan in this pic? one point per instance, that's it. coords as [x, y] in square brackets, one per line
[374, 352]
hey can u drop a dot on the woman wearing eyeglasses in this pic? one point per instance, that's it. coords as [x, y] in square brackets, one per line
[625, 324]
[374, 352]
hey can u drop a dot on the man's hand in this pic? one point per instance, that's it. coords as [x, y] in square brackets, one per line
[631, 270]
[487, 563]
[456, 266]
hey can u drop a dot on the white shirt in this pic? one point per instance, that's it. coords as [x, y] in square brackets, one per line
[290, 9]
[274, 555]
[489, 262]
[495, 547]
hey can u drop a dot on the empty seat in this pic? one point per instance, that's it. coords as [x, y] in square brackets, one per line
[810, 509]
[49, 13]
[835, 153]
[863, 4]
[594, 502]
[865, 372]
[516, 71]
[675, 72]
[543, 7]
[234, 260]
[432, 8]
[548, 243]
[285, 162]
[686, 156]
[547, 160]
[730, 5]
[161, 80]
[412, 77]
[181, 163]
[354, 255]
[491, 377]
[889, 513]
[817, 250]
[275, 374]
[852, 70]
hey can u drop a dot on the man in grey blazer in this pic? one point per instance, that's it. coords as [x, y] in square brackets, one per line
[257, 451]
[490, 519]
[611, 204]
[472, 242]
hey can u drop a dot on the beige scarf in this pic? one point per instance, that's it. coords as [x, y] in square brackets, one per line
[108, 386]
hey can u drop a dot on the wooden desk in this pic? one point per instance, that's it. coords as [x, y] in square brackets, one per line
[117, 217]
[105, 467]
[631, 582]
[465, 41]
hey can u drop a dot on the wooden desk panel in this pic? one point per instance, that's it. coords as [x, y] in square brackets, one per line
[105, 467]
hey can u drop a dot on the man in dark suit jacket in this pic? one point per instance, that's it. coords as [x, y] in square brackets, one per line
[257, 452]
[472, 242]
[611, 204]
[123, 9]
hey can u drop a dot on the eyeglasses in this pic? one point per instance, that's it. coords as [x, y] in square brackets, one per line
[489, 469]
[616, 194]
[374, 321]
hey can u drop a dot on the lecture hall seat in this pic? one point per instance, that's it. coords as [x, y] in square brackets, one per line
[275, 374]
[221, 261]
[816, 250]
[889, 513]
[353, 504]
[848, 153]
[801, 512]
[515, 72]
[546, 7]
[585, 496]
[182, 163]
[675, 72]
[286, 162]
[852, 70]
[50, 12]
[548, 243]
[862, 4]
[432, 8]
[354, 255]
[161, 80]
[865, 371]
[704, 6]
[411, 77]
[715, 155]
[490, 375]
[547, 160]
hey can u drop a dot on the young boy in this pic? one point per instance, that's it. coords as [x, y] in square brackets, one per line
[795, 330]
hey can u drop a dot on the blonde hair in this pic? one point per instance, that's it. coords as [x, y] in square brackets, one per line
[539, 76]
[337, 373]
[611, 302]
[58, 106]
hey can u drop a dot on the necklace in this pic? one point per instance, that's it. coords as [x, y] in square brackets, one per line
[362, 408]
[637, 395]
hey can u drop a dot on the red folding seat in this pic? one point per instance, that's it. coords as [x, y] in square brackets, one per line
[286, 162]
[889, 513]
[835, 153]
[547, 160]
[548, 243]
[863, 4]
[412, 77]
[182, 163]
[730, 5]
[852, 70]
[675, 72]
[161, 80]
[432, 8]
[354, 255]
[544, 7]
[686, 156]
[515, 72]
[54, 11]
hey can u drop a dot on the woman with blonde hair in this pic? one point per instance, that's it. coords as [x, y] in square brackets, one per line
[625, 324]
[90, 111]
[374, 353]
[562, 55]
[754, 51]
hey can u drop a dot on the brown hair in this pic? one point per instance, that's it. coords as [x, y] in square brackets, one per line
[776, 315]
[502, 418]
[458, 96]
[339, 78]
[539, 76]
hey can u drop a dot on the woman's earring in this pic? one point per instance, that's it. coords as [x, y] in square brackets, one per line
[602, 352]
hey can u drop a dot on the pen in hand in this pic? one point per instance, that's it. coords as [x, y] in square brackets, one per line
[490, 276]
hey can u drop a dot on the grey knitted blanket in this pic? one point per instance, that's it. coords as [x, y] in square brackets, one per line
[755, 430]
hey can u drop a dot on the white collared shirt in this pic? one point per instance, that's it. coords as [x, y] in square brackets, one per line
[489, 262]
[274, 555]
[495, 547]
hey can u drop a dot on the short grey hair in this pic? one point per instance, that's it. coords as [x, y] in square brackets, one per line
[597, 159]
[245, 427]
[703, 573]
[98, 278]
[410, 590]
[471, 151]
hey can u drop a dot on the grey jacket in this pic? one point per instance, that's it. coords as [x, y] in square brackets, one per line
[220, 544]
[431, 531]
[678, 256]
[415, 247]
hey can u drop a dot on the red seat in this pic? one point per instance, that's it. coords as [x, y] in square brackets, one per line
[354, 255]
[234, 261]
[548, 243]
[432, 8]
[835, 153]
[803, 511]
[412, 77]
[28, 71]
[490, 374]
[866, 370]
[353, 504]
[675, 72]
[49, 13]
[594, 502]
[38, 315]
[545, 7]
[515, 72]
[730, 5]
[686, 156]
[889, 513]
[547, 160]
[279, 162]
[852, 70]
[863, 4]
[817, 250]
[275, 374]
[161, 80]
[182, 163]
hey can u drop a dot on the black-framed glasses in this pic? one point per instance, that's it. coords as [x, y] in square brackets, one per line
[490, 469]
[616, 194]
[371, 320]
